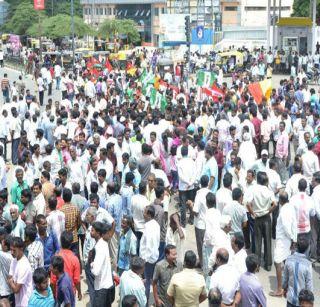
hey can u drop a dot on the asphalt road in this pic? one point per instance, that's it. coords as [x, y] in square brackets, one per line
[267, 279]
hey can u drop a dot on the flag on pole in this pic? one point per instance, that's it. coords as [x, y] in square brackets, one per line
[215, 92]
[131, 70]
[108, 65]
[205, 78]
[261, 89]
[153, 97]
[163, 102]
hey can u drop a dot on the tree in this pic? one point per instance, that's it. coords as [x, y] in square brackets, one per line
[58, 7]
[23, 16]
[59, 26]
[301, 8]
[127, 28]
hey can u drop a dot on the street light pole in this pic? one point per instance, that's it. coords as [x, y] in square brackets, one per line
[72, 30]
[314, 25]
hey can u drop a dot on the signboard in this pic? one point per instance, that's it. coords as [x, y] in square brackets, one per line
[14, 41]
[172, 28]
[201, 36]
[38, 5]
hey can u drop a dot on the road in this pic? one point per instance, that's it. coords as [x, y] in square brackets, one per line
[267, 279]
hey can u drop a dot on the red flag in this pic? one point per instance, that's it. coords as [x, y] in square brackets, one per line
[108, 65]
[38, 5]
[215, 92]
[256, 92]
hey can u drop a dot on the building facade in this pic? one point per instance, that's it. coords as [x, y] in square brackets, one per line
[4, 6]
[251, 13]
[145, 13]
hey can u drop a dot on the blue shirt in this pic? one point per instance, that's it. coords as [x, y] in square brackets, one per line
[50, 247]
[38, 300]
[124, 256]
[297, 275]
[211, 170]
[65, 294]
[126, 194]
[115, 210]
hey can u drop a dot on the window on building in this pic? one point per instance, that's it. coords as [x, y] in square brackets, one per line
[101, 11]
[230, 8]
[163, 10]
[156, 11]
[255, 8]
[109, 11]
[283, 8]
[97, 11]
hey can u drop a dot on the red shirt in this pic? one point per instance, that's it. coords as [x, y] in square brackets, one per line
[60, 202]
[256, 124]
[71, 266]
[219, 158]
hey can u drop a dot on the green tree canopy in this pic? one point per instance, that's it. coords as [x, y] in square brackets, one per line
[60, 26]
[301, 8]
[23, 16]
[118, 28]
[63, 7]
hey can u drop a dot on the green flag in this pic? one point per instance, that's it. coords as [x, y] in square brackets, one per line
[163, 102]
[153, 97]
[205, 78]
[143, 75]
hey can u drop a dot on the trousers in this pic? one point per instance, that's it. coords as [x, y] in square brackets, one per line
[183, 197]
[199, 240]
[262, 231]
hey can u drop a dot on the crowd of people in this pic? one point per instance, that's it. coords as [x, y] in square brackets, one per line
[106, 184]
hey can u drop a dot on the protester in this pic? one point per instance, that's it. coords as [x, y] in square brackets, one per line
[163, 273]
[194, 145]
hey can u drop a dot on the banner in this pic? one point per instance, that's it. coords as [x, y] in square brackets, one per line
[14, 40]
[38, 5]
[202, 36]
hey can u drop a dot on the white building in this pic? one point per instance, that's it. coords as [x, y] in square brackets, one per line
[254, 12]
[251, 13]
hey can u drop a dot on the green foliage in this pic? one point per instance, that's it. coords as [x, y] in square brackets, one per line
[60, 26]
[111, 28]
[301, 8]
[23, 16]
[63, 7]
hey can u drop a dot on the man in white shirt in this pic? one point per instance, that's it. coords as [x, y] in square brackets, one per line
[57, 74]
[77, 171]
[138, 203]
[15, 131]
[149, 245]
[261, 203]
[38, 200]
[3, 170]
[229, 287]
[200, 209]
[315, 224]
[187, 178]
[304, 207]
[240, 254]
[101, 267]
[310, 162]
[286, 234]
[224, 194]
[292, 183]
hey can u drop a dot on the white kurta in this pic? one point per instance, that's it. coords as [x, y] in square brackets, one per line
[286, 232]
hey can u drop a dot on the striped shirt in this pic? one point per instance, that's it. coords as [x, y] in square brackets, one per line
[4, 83]
[5, 261]
[38, 300]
